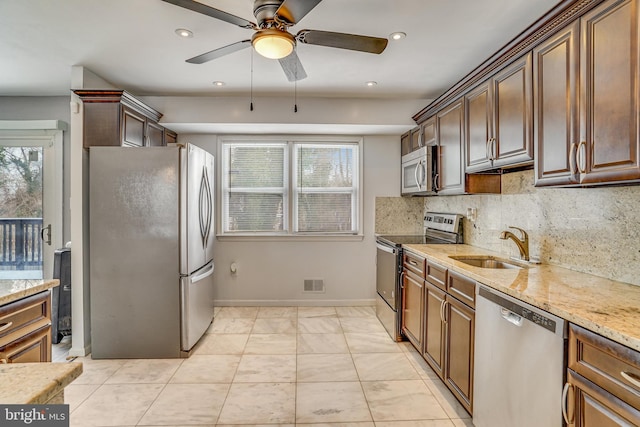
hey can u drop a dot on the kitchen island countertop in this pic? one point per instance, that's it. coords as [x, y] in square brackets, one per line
[14, 289]
[35, 383]
[604, 306]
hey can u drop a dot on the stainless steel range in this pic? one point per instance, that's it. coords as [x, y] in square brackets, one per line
[439, 228]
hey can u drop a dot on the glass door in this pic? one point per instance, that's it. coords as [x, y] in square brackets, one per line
[29, 228]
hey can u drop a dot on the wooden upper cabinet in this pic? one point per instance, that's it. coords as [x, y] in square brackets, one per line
[450, 134]
[428, 130]
[411, 141]
[405, 143]
[116, 118]
[609, 141]
[586, 99]
[555, 104]
[498, 121]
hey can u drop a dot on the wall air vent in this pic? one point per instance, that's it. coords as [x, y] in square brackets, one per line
[314, 285]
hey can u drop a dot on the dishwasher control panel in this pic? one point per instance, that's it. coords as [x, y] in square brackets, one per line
[519, 310]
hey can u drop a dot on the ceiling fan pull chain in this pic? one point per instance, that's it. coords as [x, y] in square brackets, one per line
[251, 102]
[295, 91]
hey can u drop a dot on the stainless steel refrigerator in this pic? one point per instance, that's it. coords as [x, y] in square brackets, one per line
[151, 237]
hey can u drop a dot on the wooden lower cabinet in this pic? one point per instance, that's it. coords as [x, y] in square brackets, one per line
[434, 340]
[412, 308]
[603, 381]
[460, 327]
[25, 329]
[449, 333]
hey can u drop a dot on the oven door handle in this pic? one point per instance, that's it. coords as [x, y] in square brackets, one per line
[385, 248]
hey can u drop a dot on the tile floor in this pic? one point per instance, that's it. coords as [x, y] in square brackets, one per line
[272, 365]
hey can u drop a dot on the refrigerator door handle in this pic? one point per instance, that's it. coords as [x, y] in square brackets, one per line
[204, 206]
[206, 272]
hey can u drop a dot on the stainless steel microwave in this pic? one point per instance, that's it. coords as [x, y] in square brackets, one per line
[419, 171]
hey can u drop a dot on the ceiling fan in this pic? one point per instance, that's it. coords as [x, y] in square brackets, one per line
[272, 38]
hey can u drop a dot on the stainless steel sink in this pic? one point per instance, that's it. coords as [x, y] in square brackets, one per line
[483, 261]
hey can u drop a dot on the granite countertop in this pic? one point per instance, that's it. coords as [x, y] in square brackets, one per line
[35, 383]
[13, 290]
[604, 306]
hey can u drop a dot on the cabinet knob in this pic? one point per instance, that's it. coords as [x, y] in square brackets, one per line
[5, 326]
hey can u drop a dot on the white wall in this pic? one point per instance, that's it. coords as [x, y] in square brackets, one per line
[272, 272]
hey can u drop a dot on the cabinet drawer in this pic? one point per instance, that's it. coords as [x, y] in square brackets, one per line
[437, 275]
[24, 316]
[463, 288]
[610, 365]
[32, 348]
[414, 263]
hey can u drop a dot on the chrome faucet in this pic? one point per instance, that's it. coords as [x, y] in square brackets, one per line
[522, 243]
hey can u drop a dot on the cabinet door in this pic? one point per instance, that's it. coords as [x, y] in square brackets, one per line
[555, 104]
[405, 144]
[512, 99]
[591, 406]
[412, 308]
[434, 328]
[478, 128]
[429, 132]
[450, 139]
[460, 322]
[154, 135]
[609, 147]
[170, 137]
[416, 139]
[33, 347]
[133, 128]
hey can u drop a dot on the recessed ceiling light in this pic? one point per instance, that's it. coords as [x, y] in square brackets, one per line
[218, 83]
[371, 83]
[397, 35]
[183, 32]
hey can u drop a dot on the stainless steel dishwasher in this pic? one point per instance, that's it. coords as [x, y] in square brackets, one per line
[519, 363]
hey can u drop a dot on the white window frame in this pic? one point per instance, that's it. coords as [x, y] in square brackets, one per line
[290, 215]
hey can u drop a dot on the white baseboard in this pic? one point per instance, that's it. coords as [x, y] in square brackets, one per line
[296, 303]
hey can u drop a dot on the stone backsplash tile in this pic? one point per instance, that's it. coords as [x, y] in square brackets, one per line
[399, 215]
[592, 230]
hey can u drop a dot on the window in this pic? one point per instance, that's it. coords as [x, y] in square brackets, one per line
[297, 187]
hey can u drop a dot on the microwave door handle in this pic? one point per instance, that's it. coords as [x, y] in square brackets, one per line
[415, 175]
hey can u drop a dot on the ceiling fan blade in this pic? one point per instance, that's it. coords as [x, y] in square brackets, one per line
[217, 53]
[292, 67]
[343, 41]
[292, 11]
[215, 13]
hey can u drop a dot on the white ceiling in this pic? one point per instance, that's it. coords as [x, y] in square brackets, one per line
[132, 44]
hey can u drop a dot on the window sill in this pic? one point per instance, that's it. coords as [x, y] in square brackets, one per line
[289, 238]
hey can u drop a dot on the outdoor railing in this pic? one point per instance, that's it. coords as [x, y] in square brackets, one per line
[20, 243]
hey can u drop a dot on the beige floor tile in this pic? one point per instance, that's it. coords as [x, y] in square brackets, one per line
[266, 369]
[464, 422]
[331, 402]
[322, 343]
[230, 325]
[384, 366]
[238, 312]
[402, 400]
[356, 311]
[207, 368]
[359, 424]
[450, 404]
[376, 342]
[75, 394]
[271, 344]
[361, 324]
[221, 344]
[420, 365]
[263, 403]
[187, 404]
[316, 312]
[274, 325]
[145, 371]
[319, 325]
[116, 405]
[326, 367]
[97, 371]
[282, 312]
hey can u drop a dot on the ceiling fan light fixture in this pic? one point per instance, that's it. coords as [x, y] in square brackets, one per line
[273, 44]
